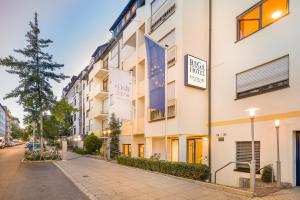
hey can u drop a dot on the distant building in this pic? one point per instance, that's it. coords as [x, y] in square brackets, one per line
[2, 121]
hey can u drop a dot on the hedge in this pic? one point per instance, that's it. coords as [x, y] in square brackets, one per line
[198, 172]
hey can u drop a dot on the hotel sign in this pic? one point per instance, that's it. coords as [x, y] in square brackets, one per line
[195, 72]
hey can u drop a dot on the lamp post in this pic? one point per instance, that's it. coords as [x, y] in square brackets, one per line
[252, 112]
[277, 124]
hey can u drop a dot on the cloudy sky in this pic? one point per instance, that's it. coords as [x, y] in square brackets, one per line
[77, 27]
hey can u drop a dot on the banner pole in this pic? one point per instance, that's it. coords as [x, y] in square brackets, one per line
[166, 101]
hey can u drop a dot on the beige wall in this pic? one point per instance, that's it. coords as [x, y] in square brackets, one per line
[230, 57]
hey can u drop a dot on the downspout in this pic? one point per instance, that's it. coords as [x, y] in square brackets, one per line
[209, 86]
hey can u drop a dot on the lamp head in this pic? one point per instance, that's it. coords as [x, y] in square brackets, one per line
[276, 14]
[252, 112]
[277, 123]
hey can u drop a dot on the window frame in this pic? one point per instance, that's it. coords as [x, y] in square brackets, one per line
[266, 91]
[259, 4]
[244, 170]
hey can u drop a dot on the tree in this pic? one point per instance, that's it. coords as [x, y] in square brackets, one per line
[16, 132]
[35, 73]
[51, 127]
[115, 127]
[62, 112]
[92, 143]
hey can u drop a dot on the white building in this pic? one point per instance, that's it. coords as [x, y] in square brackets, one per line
[2, 121]
[255, 64]
[72, 93]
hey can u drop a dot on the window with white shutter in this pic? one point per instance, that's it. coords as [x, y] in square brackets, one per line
[268, 77]
[244, 154]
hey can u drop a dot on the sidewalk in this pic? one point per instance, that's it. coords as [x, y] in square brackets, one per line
[104, 180]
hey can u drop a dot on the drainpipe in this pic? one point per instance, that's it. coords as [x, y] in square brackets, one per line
[209, 87]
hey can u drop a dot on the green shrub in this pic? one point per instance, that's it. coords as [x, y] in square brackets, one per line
[92, 144]
[79, 151]
[37, 155]
[267, 174]
[192, 171]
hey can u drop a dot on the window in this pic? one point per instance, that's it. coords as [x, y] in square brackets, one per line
[161, 10]
[268, 77]
[244, 154]
[261, 15]
[114, 51]
[105, 63]
[105, 106]
[174, 150]
[105, 85]
[127, 149]
[141, 150]
[194, 150]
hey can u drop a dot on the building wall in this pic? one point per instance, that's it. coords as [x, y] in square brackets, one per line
[230, 57]
[2, 121]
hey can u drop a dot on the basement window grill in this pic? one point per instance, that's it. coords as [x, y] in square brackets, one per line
[244, 154]
[267, 77]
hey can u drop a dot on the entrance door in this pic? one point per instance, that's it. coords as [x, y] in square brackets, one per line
[298, 158]
[194, 150]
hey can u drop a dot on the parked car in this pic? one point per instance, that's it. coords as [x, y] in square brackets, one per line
[29, 146]
[2, 142]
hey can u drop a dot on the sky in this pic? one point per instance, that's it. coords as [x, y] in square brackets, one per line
[76, 27]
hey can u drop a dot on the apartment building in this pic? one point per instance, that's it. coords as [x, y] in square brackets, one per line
[169, 23]
[72, 93]
[96, 93]
[255, 64]
[2, 121]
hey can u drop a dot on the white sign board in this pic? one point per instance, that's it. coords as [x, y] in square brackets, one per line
[120, 94]
[195, 71]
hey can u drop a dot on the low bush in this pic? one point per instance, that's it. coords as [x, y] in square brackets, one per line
[38, 155]
[79, 151]
[198, 172]
[267, 174]
[92, 144]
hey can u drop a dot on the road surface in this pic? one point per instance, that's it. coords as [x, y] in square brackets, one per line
[22, 181]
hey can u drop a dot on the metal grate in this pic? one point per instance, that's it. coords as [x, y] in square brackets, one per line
[244, 154]
[264, 78]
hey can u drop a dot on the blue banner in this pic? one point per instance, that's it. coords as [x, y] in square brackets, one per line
[156, 74]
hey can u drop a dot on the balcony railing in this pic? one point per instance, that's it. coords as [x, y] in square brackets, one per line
[162, 14]
[172, 52]
[156, 115]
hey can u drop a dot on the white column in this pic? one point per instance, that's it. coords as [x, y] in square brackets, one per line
[148, 148]
[182, 148]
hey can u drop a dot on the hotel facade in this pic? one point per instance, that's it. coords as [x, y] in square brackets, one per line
[249, 54]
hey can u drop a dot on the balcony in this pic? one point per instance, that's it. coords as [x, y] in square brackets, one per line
[140, 126]
[141, 53]
[155, 115]
[100, 114]
[141, 89]
[102, 93]
[126, 128]
[162, 14]
[102, 72]
[130, 61]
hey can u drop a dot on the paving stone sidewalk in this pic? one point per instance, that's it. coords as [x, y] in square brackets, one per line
[103, 180]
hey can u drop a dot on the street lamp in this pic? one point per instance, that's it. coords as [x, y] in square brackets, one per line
[277, 124]
[252, 113]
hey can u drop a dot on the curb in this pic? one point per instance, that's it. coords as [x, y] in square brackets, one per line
[76, 183]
